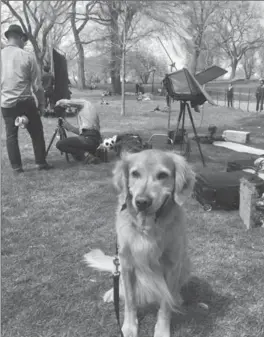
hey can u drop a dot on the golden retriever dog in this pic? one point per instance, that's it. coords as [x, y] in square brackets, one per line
[152, 186]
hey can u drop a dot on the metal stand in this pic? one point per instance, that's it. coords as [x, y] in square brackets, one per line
[169, 112]
[62, 133]
[183, 105]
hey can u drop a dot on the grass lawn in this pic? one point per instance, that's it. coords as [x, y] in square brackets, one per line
[51, 219]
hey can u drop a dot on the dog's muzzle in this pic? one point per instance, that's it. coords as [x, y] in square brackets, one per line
[143, 203]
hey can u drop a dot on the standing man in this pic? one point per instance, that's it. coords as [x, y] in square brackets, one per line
[260, 96]
[230, 95]
[48, 82]
[20, 74]
[83, 146]
[165, 82]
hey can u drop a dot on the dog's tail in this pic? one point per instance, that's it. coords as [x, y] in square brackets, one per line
[98, 260]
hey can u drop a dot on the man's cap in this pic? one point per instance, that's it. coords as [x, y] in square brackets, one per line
[16, 29]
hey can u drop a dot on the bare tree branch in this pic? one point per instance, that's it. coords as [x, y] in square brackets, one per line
[237, 30]
[37, 20]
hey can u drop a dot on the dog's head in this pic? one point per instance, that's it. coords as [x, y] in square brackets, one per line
[151, 176]
[108, 143]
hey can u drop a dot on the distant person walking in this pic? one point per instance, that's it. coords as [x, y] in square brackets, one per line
[260, 96]
[137, 88]
[165, 90]
[230, 95]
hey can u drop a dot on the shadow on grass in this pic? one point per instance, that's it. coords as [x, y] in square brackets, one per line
[197, 318]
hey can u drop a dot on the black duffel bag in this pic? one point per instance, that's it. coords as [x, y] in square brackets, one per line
[220, 190]
[241, 164]
[129, 142]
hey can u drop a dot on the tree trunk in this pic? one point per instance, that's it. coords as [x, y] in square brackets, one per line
[38, 54]
[194, 62]
[115, 71]
[234, 64]
[247, 74]
[81, 70]
[116, 52]
[79, 46]
[123, 107]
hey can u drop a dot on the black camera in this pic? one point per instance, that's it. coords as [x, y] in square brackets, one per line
[60, 121]
[60, 112]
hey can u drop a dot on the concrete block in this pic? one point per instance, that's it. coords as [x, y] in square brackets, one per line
[241, 137]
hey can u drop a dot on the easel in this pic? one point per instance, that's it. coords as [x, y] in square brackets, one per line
[181, 118]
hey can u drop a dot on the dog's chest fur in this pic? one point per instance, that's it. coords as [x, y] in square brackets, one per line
[148, 253]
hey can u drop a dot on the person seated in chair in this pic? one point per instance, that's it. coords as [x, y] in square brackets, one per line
[84, 146]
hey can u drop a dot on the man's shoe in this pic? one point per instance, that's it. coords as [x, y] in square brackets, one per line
[18, 171]
[90, 159]
[44, 166]
[78, 157]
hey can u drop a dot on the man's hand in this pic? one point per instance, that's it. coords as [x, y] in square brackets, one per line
[67, 126]
[41, 110]
[64, 103]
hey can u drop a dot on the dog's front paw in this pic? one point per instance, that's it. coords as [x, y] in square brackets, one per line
[130, 330]
[109, 296]
[162, 329]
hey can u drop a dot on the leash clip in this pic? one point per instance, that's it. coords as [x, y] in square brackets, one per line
[117, 264]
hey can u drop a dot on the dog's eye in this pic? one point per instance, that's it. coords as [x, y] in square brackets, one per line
[162, 175]
[106, 143]
[135, 174]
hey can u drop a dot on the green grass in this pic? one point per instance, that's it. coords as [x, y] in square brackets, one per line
[51, 219]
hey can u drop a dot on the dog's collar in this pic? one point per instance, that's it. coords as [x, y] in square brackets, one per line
[128, 198]
[159, 211]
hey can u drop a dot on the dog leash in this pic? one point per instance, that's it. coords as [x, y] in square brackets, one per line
[116, 278]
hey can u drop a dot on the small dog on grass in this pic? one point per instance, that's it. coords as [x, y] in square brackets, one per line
[152, 186]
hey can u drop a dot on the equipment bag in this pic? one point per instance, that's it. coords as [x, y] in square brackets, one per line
[220, 190]
[240, 164]
[129, 142]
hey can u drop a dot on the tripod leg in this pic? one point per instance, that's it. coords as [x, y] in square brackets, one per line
[51, 142]
[63, 135]
[183, 122]
[169, 117]
[182, 111]
[195, 134]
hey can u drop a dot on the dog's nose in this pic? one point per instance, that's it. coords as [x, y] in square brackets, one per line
[143, 203]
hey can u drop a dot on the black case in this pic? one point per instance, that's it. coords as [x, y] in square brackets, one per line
[220, 190]
[240, 164]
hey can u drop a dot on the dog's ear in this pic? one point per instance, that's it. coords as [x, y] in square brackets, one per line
[184, 179]
[120, 175]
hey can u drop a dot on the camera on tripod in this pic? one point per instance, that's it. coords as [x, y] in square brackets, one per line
[60, 112]
[60, 121]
